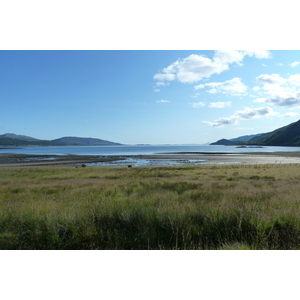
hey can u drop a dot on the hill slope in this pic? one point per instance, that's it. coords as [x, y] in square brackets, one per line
[288, 135]
[223, 142]
[11, 142]
[70, 140]
[285, 136]
[246, 138]
[15, 140]
[19, 137]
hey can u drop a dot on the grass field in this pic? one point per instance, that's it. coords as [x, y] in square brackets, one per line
[194, 207]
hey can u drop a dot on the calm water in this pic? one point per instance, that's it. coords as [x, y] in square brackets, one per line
[138, 149]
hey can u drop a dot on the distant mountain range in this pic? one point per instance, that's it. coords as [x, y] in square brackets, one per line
[15, 140]
[285, 136]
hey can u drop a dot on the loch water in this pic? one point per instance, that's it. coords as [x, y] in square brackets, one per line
[140, 149]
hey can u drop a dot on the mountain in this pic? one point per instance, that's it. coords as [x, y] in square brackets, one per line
[246, 138]
[19, 137]
[71, 140]
[15, 140]
[223, 142]
[11, 142]
[285, 136]
[288, 135]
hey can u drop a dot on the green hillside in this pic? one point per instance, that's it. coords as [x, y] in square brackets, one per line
[14, 140]
[19, 137]
[83, 141]
[223, 142]
[11, 142]
[288, 135]
[285, 136]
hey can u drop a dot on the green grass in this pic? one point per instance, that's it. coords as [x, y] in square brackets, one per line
[198, 207]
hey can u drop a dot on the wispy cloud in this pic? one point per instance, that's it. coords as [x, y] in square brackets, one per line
[294, 64]
[289, 114]
[246, 114]
[163, 101]
[196, 95]
[197, 67]
[158, 85]
[233, 87]
[197, 104]
[220, 104]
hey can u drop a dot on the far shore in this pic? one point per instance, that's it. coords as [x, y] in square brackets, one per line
[22, 160]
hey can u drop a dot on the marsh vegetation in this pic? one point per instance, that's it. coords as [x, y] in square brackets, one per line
[192, 207]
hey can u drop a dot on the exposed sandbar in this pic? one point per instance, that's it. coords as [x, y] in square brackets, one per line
[22, 160]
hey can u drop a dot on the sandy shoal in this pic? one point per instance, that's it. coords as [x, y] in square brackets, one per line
[11, 160]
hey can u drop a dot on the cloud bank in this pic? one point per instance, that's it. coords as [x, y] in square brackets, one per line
[197, 67]
[233, 87]
[278, 90]
[246, 114]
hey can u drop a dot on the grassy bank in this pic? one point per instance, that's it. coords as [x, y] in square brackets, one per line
[197, 207]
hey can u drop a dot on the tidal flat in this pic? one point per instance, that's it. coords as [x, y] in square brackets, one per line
[204, 207]
[159, 159]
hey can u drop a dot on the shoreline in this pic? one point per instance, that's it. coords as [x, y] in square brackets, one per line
[177, 158]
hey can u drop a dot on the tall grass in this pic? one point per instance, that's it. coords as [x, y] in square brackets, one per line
[196, 207]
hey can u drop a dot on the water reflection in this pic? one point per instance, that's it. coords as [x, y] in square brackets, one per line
[135, 162]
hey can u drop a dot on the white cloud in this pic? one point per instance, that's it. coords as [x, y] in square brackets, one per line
[229, 56]
[162, 77]
[246, 114]
[196, 95]
[260, 100]
[197, 104]
[200, 86]
[289, 114]
[250, 113]
[234, 87]
[162, 101]
[221, 122]
[259, 53]
[161, 83]
[219, 104]
[278, 90]
[256, 88]
[270, 79]
[294, 64]
[197, 67]
[158, 84]
[294, 79]
[285, 99]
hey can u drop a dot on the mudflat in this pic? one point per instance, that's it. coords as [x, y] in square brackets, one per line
[23, 160]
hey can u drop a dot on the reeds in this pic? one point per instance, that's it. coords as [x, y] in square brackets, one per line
[196, 207]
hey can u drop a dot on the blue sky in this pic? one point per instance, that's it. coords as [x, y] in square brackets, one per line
[155, 97]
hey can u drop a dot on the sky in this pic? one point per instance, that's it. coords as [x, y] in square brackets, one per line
[148, 96]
